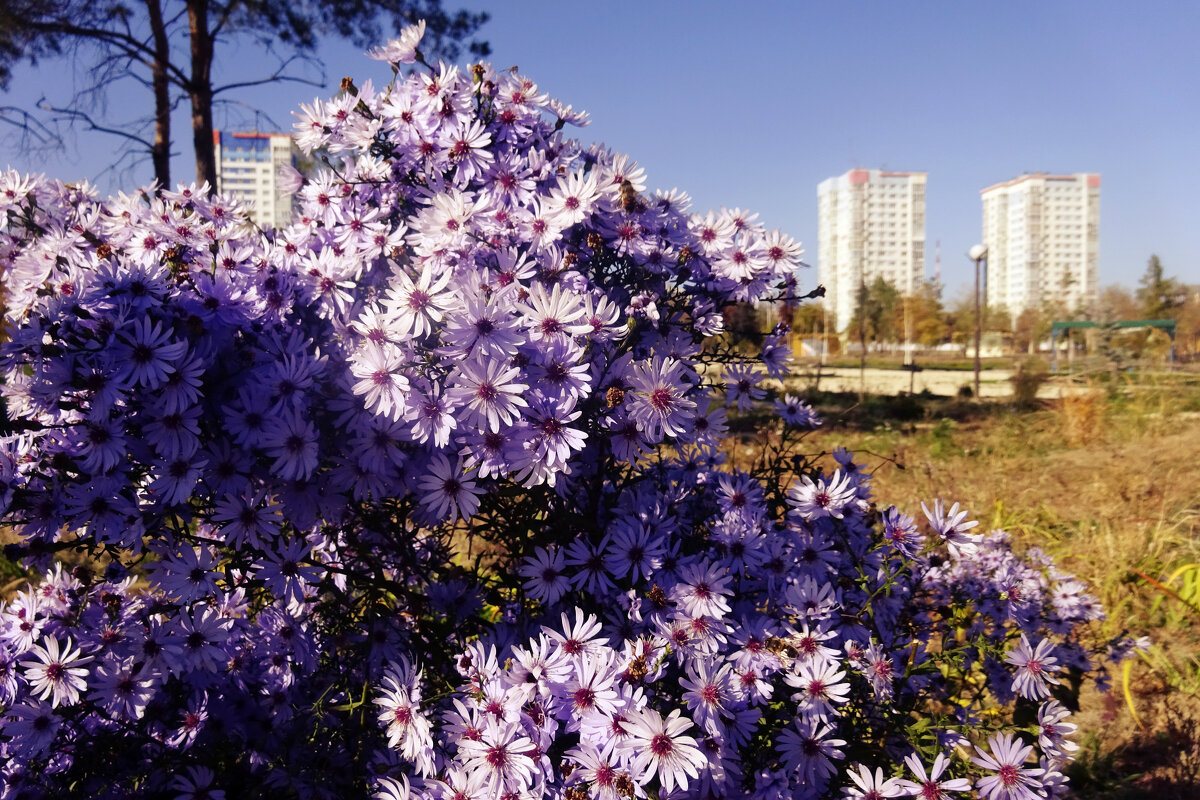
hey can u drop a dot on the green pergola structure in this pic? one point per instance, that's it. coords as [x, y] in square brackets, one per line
[1167, 325]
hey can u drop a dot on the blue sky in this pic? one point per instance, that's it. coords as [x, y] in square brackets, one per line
[751, 105]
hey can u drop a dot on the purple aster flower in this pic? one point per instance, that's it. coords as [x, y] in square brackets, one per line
[1012, 781]
[484, 327]
[782, 250]
[188, 573]
[591, 690]
[220, 300]
[871, 786]
[880, 670]
[461, 784]
[415, 306]
[808, 749]
[446, 492]
[751, 637]
[175, 479]
[1053, 781]
[582, 637]
[1053, 730]
[703, 590]
[824, 497]
[59, 675]
[709, 692]
[625, 437]
[637, 549]
[776, 359]
[494, 454]
[715, 232]
[198, 641]
[661, 748]
[291, 374]
[31, 729]
[544, 576]
[822, 687]
[291, 440]
[197, 783]
[1035, 668]
[10, 684]
[148, 353]
[468, 151]
[408, 729]
[381, 379]
[554, 314]
[604, 316]
[795, 411]
[174, 436]
[509, 180]
[930, 786]
[551, 442]
[191, 722]
[540, 670]
[378, 445]
[254, 519]
[182, 387]
[389, 788]
[599, 769]
[709, 427]
[809, 644]
[817, 557]
[244, 419]
[402, 49]
[487, 392]
[103, 507]
[952, 525]
[122, 687]
[658, 402]
[560, 371]
[503, 755]
[102, 444]
[900, 530]
[287, 573]
[573, 199]
[742, 389]
[431, 416]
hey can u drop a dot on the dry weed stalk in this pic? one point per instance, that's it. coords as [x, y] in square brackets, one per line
[1082, 417]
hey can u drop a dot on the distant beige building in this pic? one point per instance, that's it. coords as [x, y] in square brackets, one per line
[1042, 236]
[246, 167]
[870, 224]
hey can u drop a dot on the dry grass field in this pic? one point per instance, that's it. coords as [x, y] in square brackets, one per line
[1108, 482]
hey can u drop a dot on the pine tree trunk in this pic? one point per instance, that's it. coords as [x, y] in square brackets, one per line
[201, 92]
[160, 151]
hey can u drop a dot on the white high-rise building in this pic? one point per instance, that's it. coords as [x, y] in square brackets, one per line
[247, 165]
[870, 224]
[1042, 237]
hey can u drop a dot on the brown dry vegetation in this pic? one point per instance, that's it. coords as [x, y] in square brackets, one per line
[1109, 485]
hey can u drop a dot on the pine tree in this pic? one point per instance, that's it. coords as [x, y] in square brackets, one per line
[1159, 295]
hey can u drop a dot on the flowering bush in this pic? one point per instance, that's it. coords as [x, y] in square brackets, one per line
[424, 496]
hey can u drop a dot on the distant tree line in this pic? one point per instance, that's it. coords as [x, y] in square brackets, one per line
[885, 316]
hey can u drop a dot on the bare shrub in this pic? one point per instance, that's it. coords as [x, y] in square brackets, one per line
[1031, 373]
[1082, 417]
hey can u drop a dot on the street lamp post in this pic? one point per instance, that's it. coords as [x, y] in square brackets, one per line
[978, 254]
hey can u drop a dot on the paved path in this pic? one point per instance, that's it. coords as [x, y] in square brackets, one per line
[992, 382]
